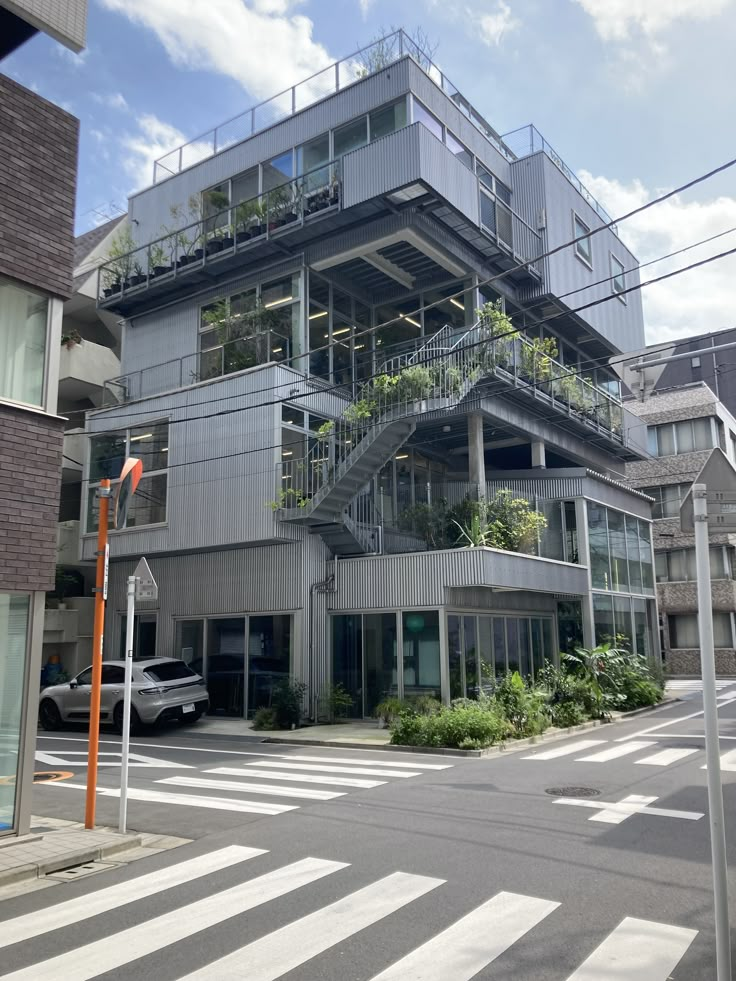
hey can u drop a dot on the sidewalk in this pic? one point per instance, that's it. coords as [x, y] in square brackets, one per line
[355, 733]
[54, 844]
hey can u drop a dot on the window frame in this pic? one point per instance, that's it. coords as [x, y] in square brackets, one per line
[91, 485]
[585, 258]
[47, 403]
[614, 276]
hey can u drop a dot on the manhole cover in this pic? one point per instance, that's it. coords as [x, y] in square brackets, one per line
[79, 871]
[572, 792]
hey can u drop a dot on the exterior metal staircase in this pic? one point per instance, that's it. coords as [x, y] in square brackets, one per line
[318, 489]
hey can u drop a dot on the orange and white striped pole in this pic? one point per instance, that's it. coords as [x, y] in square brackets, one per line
[99, 627]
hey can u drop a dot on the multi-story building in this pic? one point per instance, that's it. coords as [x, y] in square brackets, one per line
[307, 382]
[38, 149]
[90, 354]
[683, 426]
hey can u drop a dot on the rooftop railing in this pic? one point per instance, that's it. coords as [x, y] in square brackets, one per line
[358, 65]
[527, 140]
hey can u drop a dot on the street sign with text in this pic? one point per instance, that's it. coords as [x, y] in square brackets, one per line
[719, 477]
[146, 587]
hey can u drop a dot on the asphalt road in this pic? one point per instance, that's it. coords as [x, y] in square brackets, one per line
[472, 865]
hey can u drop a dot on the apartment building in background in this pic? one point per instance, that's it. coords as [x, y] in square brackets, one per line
[314, 397]
[38, 147]
[683, 426]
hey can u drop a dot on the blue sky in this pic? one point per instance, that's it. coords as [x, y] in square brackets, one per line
[635, 95]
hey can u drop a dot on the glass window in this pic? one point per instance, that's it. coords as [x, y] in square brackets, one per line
[571, 533]
[444, 307]
[189, 643]
[149, 443]
[292, 416]
[225, 676]
[455, 655]
[505, 224]
[617, 549]
[485, 654]
[14, 617]
[600, 567]
[484, 176]
[167, 671]
[380, 648]
[703, 434]
[624, 627]
[666, 440]
[525, 663]
[421, 662]
[645, 554]
[583, 248]
[470, 641]
[23, 334]
[277, 171]
[269, 657]
[459, 150]
[632, 549]
[684, 630]
[314, 154]
[352, 136]
[245, 186]
[618, 278]
[424, 116]
[499, 645]
[512, 643]
[603, 619]
[215, 202]
[388, 119]
[641, 628]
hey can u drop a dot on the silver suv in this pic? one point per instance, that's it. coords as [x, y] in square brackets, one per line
[164, 688]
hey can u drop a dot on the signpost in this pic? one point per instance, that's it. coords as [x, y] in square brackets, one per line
[141, 586]
[129, 477]
[705, 506]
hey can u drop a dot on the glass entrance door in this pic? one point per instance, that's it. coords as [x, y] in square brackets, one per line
[226, 666]
[379, 659]
[144, 635]
[269, 657]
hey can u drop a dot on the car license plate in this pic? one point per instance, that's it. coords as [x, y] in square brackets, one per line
[188, 708]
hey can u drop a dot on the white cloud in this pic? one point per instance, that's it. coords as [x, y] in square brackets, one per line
[620, 20]
[153, 140]
[365, 6]
[66, 54]
[494, 26]
[262, 44]
[113, 100]
[693, 302]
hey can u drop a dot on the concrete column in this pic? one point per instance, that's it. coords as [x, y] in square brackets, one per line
[581, 516]
[476, 453]
[539, 461]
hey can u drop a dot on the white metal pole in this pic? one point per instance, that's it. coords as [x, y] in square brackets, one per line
[712, 746]
[125, 748]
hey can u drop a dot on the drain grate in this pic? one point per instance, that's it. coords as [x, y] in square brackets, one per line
[79, 871]
[572, 792]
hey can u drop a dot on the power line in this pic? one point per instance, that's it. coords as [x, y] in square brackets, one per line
[523, 265]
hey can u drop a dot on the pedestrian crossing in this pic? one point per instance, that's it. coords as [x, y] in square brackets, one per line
[462, 947]
[680, 686]
[270, 785]
[649, 752]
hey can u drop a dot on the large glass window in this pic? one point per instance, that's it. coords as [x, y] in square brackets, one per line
[277, 171]
[421, 664]
[14, 618]
[459, 150]
[149, 443]
[667, 499]
[600, 567]
[684, 630]
[605, 630]
[678, 565]
[424, 116]
[583, 248]
[380, 648]
[387, 119]
[672, 438]
[225, 670]
[23, 338]
[618, 277]
[189, 643]
[314, 154]
[269, 657]
[617, 548]
[352, 136]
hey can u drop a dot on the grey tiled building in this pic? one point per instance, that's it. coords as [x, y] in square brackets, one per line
[683, 425]
[38, 150]
[314, 397]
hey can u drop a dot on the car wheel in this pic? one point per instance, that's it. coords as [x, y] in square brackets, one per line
[49, 715]
[190, 718]
[117, 718]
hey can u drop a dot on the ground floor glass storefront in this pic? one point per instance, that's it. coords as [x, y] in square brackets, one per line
[625, 622]
[241, 658]
[366, 646]
[14, 623]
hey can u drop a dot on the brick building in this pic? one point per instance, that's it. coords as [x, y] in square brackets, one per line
[38, 147]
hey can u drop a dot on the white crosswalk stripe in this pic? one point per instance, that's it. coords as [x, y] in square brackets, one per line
[694, 684]
[466, 947]
[728, 762]
[566, 749]
[636, 950]
[298, 777]
[120, 948]
[614, 752]
[666, 756]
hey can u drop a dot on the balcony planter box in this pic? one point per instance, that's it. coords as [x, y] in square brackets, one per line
[214, 247]
[228, 242]
[161, 270]
[137, 280]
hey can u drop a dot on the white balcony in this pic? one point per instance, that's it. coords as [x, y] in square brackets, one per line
[83, 368]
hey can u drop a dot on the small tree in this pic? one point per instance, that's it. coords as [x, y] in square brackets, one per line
[119, 264]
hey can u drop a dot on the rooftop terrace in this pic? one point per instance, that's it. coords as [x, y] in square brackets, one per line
[360, 64]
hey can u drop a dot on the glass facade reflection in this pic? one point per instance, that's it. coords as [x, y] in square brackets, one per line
[14, 623]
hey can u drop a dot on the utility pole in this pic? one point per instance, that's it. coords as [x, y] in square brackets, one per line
[103, 560]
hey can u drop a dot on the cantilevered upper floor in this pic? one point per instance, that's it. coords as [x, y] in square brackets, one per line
[380, 134]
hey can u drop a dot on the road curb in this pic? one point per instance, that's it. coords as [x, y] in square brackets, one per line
[65, 859]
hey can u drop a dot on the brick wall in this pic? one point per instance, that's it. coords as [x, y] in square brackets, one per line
[38, 178]
[30, 477]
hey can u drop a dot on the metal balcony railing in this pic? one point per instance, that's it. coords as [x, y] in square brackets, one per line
[211, 237]
[527, 140]
[356, 66]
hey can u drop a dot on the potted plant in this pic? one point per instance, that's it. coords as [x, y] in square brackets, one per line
[138, 276]
[277, 204]
[157, 260]
[244, 219]
[214, 242]
[228, 237]
[334, 190]
[70, 338]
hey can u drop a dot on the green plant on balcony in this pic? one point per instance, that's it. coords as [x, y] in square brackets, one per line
[536, 361]
[280, 206]
[117, 269]
[499, 332]
[158, 259]
[326, 430]
[289, 497]
[71, 337]
[567, 387]
[187, 232]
